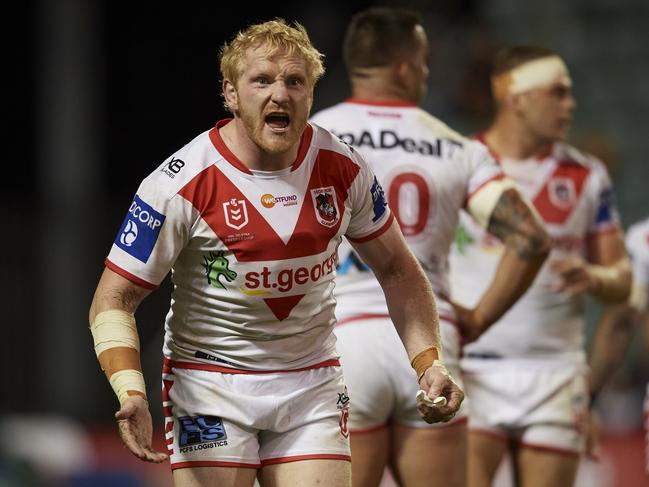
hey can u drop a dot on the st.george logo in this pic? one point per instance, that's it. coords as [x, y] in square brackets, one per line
[326, 206]
[236, 213]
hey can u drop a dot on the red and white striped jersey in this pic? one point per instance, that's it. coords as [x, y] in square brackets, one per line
[573, 195]
[252, 253]
[428, 171]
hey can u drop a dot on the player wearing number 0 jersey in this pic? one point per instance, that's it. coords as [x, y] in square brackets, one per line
[527, 374]
[428, 173]
[248, 217]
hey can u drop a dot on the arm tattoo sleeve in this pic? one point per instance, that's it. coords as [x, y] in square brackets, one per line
[515, 223]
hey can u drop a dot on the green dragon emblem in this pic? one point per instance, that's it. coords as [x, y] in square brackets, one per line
[217, 266]
[462, 238]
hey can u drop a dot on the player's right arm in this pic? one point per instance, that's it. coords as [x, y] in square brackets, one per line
[116, 342]
[506, 214]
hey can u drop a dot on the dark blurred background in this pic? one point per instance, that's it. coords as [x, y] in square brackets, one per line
[100, 92]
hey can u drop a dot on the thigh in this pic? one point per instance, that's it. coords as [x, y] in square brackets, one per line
[540, 467]
[370, 452]
[485, 453]
[422, 454]
[209, 476]
[307, 473]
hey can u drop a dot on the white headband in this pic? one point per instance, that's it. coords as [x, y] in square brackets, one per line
[531, 75]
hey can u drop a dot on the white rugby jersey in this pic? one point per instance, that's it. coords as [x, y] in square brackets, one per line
[253, 254]
[573, 195]
[428, 172]
[637, 244]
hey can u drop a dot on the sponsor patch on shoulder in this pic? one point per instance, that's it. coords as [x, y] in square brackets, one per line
[140, 230]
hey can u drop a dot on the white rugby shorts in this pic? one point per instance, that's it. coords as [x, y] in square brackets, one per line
[249, 420]
[382, 384]
[536, 403]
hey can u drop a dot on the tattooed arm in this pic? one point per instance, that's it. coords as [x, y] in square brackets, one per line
[527, 244]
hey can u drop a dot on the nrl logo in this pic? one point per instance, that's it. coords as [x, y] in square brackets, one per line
[325, 206]
[236, 213]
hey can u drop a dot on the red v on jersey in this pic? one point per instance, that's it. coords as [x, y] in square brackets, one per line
[212, 193]
[559, 195]
[281, 307]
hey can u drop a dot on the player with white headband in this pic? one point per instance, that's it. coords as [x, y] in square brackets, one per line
[526, 377]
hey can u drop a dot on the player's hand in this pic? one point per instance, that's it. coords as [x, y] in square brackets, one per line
[572, 275]
[592, 436]
[135, 429]
[437, 382]
[469, 323]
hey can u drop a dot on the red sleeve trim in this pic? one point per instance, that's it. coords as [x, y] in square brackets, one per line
[127, 275]
[472, 193]
[372, 236]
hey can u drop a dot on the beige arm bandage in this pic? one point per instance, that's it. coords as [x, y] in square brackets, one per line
[115, 329]
[482, 203]
[611, 282]
[639, 299]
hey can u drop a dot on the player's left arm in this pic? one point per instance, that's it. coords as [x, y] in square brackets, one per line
[413, 311]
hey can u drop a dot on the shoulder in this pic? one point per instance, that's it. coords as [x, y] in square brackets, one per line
[332, 113]
[326, 141]
[638, 232]
[568, 154]
[183, 165]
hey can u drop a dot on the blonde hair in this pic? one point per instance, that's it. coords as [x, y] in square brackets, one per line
[278, 36]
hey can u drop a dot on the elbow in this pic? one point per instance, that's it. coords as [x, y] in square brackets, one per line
[539, 244]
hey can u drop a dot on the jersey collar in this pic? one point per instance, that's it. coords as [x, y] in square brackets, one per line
[228, 155]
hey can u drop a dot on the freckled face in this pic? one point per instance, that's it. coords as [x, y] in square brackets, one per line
[273, 98]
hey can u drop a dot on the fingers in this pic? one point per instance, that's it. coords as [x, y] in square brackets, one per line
[143, 452]
[440, 385]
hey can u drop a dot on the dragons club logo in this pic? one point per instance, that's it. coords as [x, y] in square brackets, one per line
[562, 192]
[216, 267]
[325, 206]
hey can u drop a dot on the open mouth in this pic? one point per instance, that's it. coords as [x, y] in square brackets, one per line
[278, 121]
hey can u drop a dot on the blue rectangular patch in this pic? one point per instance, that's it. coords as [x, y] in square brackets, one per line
[378, 200]
[139, 232]
[200, 429]
[606, 209]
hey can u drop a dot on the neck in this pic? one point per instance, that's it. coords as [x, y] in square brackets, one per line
[251, 155]
[380, 87]
[509, 139]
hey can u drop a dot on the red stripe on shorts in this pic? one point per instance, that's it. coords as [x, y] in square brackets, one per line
[298, 458]
[230, 370]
